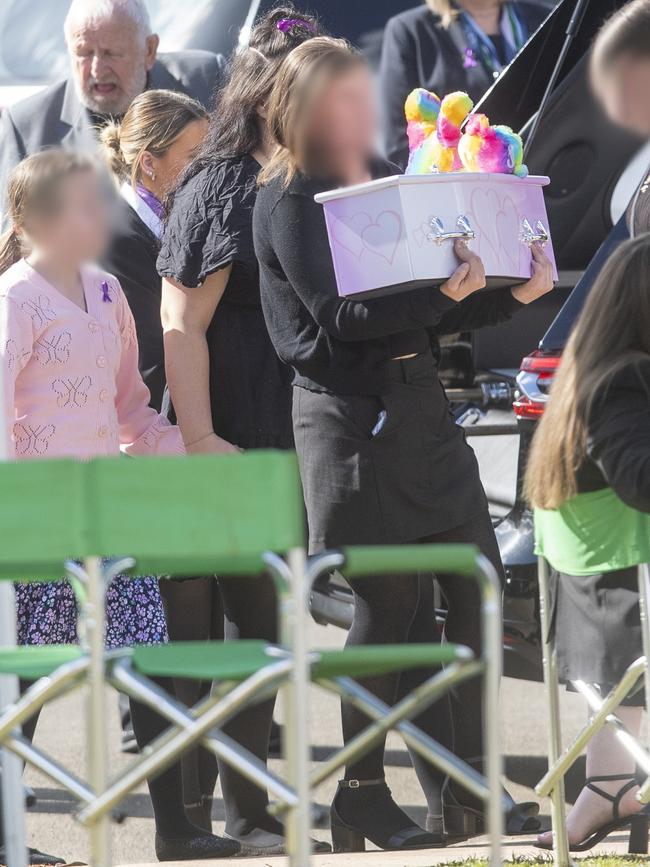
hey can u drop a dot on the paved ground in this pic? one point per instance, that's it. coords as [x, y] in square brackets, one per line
[51, 823]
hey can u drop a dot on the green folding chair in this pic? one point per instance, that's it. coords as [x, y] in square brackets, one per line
[602, 711]
[233, 515]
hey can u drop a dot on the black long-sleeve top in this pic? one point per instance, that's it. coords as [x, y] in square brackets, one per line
[618, 437]
[341, 344]
[132, 259]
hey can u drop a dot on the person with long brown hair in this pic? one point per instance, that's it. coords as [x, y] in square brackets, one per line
[228, 389]
[381, 458]
[588, 478]
[448, 45]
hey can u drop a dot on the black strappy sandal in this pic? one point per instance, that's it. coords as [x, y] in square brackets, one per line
[639, 823]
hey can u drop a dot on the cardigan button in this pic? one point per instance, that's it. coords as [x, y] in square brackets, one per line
[103, 395]
[93, 327]
[103, 431]
[101, 361]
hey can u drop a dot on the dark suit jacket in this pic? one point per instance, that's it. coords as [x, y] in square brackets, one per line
[419, 52]
[132, 259]
[55, 116]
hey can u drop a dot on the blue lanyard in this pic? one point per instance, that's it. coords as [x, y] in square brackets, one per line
[481, 47]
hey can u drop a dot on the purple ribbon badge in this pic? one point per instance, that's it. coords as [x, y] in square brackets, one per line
[469, 61]
[106, 293]
[285, 24]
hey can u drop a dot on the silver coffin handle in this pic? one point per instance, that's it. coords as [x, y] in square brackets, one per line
[530, 236]
[464, 231]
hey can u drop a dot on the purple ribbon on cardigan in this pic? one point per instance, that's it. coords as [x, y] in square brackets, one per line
[285, 24]
[106, 295]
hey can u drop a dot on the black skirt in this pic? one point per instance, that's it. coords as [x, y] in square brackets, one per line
[596, 626]
[373, 479]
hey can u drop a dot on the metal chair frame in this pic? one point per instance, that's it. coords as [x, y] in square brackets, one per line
[291, 673]
[602, 710]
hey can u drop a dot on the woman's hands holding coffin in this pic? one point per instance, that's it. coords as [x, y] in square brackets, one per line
[541, 281]
[469, 277]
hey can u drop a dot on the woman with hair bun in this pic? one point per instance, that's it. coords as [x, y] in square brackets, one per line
[227, 386]
[146, 152]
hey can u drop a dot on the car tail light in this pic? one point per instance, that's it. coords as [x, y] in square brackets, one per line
[533, 383]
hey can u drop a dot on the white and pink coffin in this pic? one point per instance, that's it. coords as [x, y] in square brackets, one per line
[397, 233]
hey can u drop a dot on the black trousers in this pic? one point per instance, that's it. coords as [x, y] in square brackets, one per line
[390, 469]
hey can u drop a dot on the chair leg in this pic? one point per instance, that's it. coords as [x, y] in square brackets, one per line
[561, 855]
[13, 818]
[492, 653]
[644, 608]
[94, 615]
[294, 628]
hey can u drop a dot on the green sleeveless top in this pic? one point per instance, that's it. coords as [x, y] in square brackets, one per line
[593, 532]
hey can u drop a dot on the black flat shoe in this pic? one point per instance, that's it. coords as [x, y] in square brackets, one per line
[195, 848]
[378, 819]
[639, 823]
[34, 857]
[463, 820]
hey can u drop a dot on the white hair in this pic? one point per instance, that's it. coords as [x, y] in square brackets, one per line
[93, 11]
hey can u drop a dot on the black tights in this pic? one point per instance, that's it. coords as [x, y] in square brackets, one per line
[207, 609]
[397, 609]
[194, 613]
[250, 612]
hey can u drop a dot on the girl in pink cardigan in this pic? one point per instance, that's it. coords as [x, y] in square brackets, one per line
[72, 388]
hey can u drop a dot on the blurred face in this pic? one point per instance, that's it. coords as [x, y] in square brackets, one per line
[79, 230]
[161, 173]
[341, 124]
[624, 90]
[110, 60]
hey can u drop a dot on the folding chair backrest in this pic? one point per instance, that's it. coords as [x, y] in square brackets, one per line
[41, 518]
[183, 516]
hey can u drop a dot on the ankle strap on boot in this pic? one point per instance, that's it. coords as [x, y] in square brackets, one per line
[358, 784]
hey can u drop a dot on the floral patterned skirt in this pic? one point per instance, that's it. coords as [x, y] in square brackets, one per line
[47, 613]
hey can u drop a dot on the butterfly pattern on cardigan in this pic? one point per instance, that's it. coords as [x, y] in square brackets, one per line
[72, 384]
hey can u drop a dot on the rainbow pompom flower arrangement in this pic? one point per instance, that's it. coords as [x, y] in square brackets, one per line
[439, 143]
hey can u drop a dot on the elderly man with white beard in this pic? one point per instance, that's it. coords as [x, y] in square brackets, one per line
[114, 57]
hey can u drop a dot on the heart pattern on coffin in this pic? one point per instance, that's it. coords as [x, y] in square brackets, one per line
[497, 222]
[360, 233]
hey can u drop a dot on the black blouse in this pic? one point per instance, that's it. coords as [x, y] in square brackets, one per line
[339, 344]
[618, 442]
[209, 228]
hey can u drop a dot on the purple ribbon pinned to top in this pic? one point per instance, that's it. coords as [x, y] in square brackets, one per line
[106, 294]
[469, 61]
[285, 24]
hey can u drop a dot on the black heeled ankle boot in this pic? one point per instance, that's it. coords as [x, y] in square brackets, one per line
[365, 810]
[464, 814]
